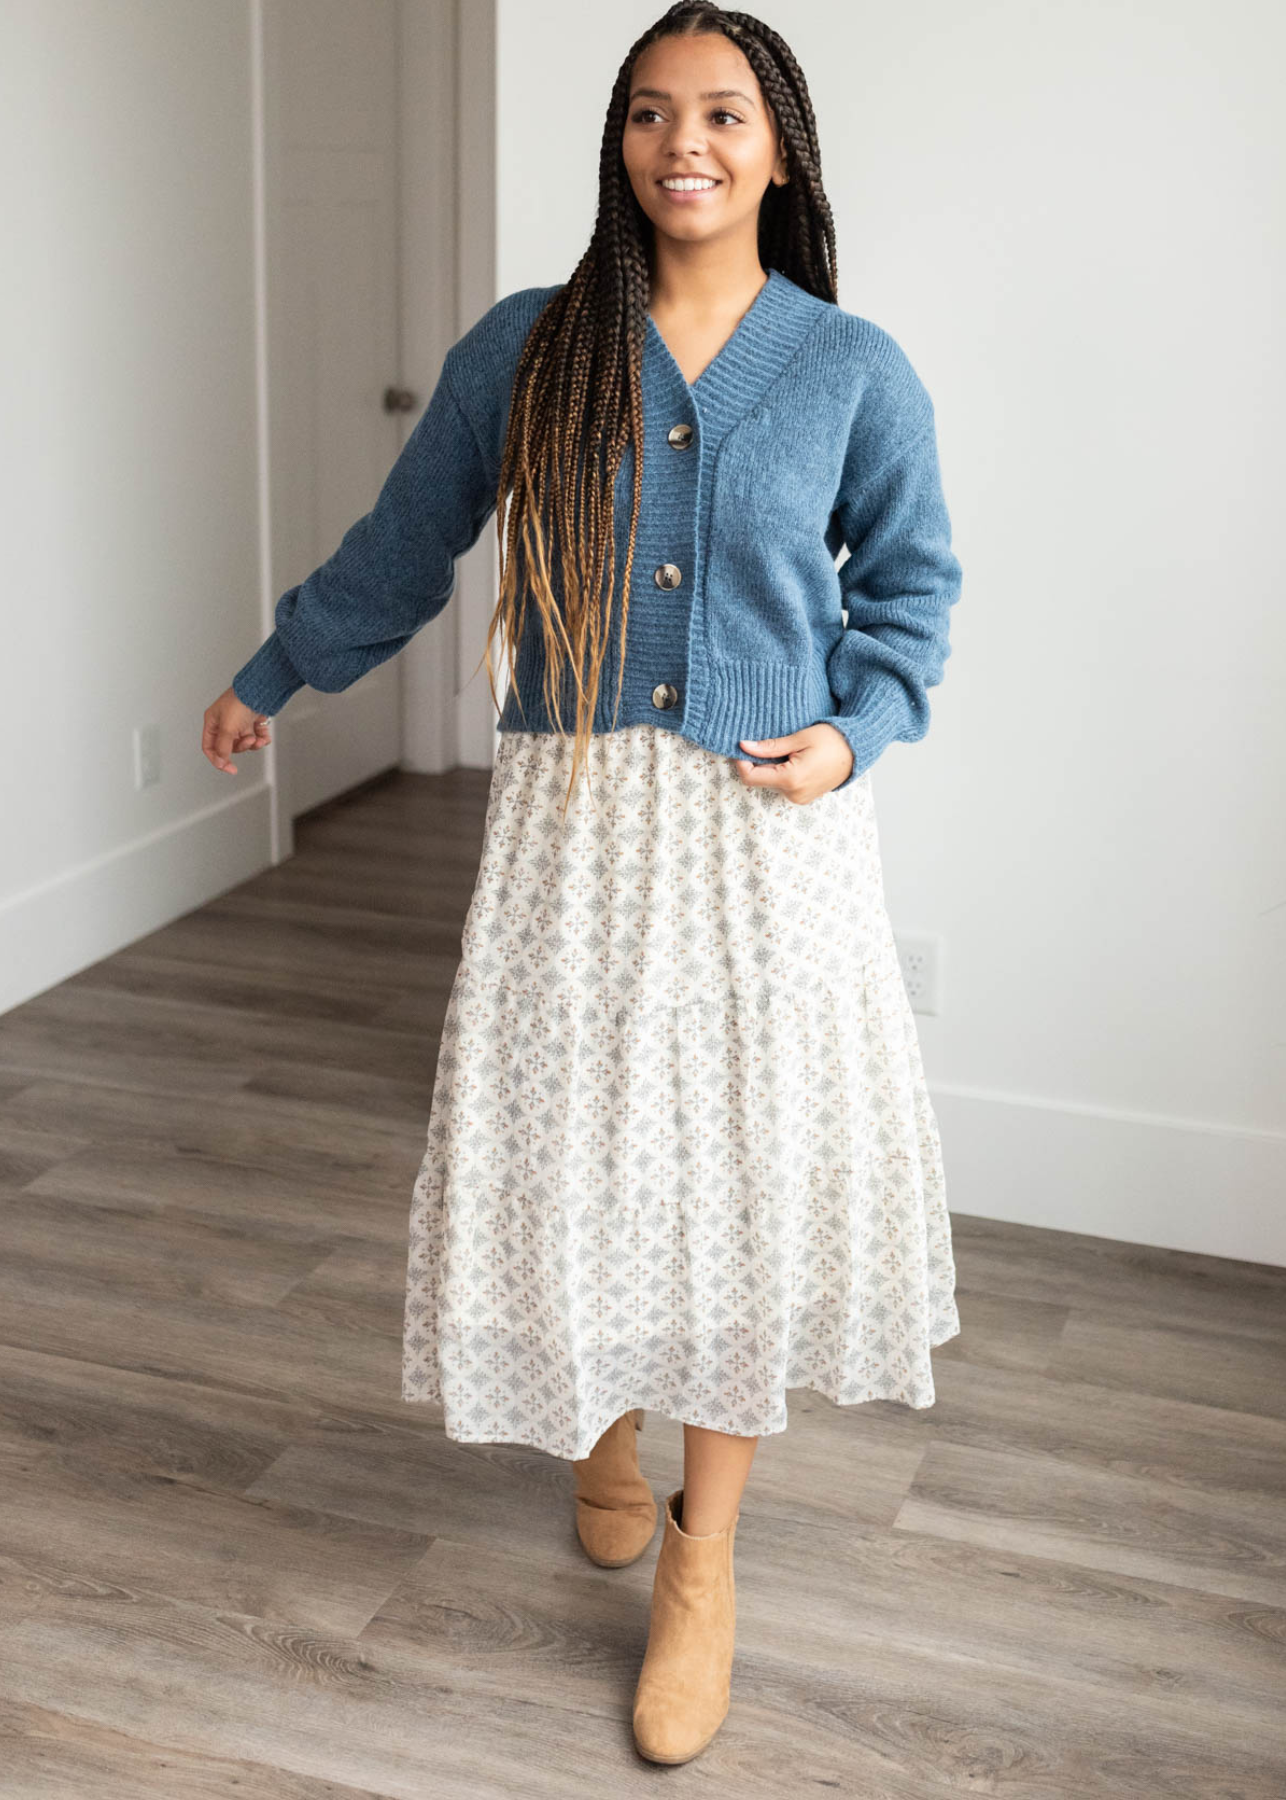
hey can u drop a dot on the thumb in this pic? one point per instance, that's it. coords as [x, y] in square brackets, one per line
[778, 746]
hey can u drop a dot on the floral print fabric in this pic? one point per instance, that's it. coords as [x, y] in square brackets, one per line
[681, 1154]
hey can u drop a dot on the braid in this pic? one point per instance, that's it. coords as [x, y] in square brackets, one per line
[577, 401]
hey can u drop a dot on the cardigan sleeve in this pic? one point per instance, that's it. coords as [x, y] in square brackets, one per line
[394, 569]
[899, 583]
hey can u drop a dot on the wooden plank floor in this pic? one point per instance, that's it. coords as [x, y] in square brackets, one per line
[232, 1560]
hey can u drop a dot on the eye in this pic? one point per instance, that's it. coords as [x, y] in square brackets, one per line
[637, 118]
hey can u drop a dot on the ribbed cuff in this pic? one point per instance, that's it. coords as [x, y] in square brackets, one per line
[844, 727]
[267, 681]
[867, 738]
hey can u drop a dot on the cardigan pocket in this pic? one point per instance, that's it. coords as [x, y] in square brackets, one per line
[778, 472]
[772, 596]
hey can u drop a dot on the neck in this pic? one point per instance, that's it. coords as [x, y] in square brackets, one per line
[696, 280]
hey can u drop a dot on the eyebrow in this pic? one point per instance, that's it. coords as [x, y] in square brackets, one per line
[714, 94]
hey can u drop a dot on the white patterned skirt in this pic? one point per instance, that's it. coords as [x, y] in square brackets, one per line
[681, 1154]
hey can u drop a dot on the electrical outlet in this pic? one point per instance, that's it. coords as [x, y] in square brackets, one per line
[147, 755]
[920, 954]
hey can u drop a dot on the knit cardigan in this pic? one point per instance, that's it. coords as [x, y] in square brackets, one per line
[808, 433]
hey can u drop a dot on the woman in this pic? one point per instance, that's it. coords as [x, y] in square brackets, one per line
[680, 1152]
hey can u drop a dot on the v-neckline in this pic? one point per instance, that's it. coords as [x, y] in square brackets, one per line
[725, 348]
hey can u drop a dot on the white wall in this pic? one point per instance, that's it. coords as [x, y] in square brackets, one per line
[128, 465]
[1071, 219]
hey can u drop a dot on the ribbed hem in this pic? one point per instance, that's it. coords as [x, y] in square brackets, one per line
[726, 702]
[734, 700]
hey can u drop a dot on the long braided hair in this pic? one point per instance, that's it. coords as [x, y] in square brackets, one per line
[577, 398]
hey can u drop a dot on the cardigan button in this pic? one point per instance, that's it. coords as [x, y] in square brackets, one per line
[665, 695]
[680, 436]
[667, 576]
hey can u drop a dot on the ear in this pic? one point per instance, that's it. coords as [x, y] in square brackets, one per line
[781, 168]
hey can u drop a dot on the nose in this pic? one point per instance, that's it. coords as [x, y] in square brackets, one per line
[685, 138]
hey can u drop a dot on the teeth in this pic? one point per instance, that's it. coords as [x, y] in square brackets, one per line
[685, 184]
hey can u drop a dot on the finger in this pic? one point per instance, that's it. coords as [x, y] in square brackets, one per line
[208, 747]
[779, 746]
[771, 769]
[223, 741]
[775, 775]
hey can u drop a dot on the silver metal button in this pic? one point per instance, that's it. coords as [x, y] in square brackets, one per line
[667, 576]
[665, 695]
[680, 436]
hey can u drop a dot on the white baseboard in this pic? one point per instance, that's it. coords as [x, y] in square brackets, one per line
[61, 926]
[1170, 1183]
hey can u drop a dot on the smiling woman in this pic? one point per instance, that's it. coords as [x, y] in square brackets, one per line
[681, 1153]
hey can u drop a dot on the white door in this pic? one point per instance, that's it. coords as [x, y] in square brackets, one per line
[331, 141]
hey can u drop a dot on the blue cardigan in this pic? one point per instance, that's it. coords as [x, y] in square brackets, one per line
[809, 432]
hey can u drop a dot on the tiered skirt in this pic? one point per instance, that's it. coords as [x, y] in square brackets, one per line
[681, 1154]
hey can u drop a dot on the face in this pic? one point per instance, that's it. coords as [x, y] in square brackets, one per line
[696, 108]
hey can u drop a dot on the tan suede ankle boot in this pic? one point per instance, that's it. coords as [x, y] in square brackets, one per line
[616, 1510]
[685, 1684]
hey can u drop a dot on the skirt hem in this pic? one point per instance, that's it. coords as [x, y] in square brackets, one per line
[686, 1416]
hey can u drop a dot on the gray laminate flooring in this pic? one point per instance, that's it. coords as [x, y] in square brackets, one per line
[233, 1561]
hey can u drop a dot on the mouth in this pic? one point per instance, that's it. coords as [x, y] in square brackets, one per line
[689, 188]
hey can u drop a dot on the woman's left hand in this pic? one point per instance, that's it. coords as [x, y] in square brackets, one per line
[819, 759]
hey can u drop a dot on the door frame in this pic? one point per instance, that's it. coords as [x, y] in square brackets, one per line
[446, 212]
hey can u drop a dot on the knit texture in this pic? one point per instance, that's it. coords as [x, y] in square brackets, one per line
[810, 433]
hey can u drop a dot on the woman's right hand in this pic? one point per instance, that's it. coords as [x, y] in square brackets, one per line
[230, 727]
